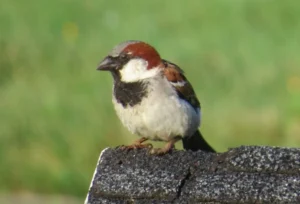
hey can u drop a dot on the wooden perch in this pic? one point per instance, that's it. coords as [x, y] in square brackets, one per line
[248, 174]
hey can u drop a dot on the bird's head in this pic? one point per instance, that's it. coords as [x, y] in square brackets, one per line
[132, 61]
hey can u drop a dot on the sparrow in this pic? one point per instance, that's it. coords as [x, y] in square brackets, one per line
[153, 98]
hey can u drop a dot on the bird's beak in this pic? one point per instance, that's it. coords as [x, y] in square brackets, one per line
[108, 63]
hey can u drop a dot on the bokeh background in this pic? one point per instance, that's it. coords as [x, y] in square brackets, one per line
[56, 115]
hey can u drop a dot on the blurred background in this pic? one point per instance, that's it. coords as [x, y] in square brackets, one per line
[56, 115]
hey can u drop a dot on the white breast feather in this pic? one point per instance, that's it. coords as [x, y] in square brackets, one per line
[161, 115]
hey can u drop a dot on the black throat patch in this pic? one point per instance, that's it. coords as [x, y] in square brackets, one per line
[129, 94]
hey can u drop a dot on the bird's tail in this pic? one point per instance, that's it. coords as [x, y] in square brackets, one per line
[196, 142]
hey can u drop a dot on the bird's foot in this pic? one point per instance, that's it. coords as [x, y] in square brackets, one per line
[159, 151]
[137, 145]
[166, 149]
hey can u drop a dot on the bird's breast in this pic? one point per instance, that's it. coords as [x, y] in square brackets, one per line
[156, 112]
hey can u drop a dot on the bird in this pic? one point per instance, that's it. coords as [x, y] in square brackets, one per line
[153, 98]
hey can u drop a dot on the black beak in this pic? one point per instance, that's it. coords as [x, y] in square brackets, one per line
[108, 63]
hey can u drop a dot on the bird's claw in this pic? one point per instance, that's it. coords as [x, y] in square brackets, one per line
[136, 146]
[159, 151]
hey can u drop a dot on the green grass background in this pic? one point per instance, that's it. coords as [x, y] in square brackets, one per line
[56, 115]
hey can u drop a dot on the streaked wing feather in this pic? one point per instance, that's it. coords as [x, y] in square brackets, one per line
[184, 89]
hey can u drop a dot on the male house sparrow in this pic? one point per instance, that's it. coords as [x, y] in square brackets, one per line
[153, 99]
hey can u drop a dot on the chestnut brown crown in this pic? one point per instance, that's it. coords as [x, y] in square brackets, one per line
[125, 51]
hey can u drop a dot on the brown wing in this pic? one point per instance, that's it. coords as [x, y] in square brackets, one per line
[183, 87]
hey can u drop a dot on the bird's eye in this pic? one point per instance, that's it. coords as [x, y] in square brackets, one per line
[123, 57]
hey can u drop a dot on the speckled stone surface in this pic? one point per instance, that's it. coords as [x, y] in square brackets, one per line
[248, 174]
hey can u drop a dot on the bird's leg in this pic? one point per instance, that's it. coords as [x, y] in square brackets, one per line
[166, 148]
[137, 145]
